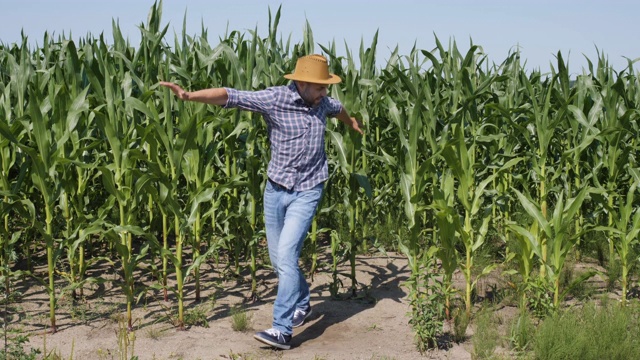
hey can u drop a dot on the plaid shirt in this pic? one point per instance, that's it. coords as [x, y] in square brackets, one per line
[296, 133]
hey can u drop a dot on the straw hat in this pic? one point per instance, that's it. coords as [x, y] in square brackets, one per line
[313, 69]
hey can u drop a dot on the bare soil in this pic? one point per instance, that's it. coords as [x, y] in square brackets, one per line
[371, 325]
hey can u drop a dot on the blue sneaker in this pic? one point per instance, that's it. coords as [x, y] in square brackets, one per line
[274, 338]
[299, 316]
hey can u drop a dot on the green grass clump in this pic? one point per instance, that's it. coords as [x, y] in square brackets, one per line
[240, 320]
[521, 332]
[590, 332]
[460, 323]
[486, 336]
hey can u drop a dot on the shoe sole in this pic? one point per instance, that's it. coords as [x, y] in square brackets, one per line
[304, 320]
[271, 343]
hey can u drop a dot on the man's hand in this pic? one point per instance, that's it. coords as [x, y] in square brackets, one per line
[355, 125]
[350, 121]
[176, 89]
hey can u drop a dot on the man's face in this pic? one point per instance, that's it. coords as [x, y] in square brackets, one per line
[312, 93]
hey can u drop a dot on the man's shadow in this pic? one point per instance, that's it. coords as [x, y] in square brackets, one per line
[386, 282]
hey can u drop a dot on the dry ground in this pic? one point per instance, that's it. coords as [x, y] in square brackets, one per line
[373, 325]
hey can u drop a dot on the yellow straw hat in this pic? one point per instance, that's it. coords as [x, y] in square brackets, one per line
[313, 69]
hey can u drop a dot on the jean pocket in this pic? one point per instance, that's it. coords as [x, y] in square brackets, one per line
[269, 187]
[316, 191]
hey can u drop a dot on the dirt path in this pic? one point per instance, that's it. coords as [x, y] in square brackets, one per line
[374, 325]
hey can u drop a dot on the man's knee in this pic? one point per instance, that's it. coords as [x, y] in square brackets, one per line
[287, 268]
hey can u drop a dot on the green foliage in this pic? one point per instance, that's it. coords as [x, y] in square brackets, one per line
[486, 335]
[461, 321]
[590, 333]
[539, 298]
[427, 307]
[126, 342]
[459, 153]
[240, 319]
[521, 332]
[197, 316]
[14, 349]
[575, 285]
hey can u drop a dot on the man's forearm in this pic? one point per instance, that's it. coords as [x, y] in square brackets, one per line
[343, 116]
[351, 122]
[214, 96]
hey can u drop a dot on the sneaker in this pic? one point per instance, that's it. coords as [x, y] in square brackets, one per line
[274, 338]
[299, 316]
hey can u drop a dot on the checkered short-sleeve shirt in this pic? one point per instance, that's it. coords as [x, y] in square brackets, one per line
[296, 133]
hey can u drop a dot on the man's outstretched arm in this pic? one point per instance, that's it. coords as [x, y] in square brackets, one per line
[214, 96]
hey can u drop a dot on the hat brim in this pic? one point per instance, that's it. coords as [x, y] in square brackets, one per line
[333, 79]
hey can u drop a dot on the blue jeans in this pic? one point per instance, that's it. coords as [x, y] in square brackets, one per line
[288, 215]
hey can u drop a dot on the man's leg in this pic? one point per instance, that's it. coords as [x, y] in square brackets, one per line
[275, 199]
[292, 286]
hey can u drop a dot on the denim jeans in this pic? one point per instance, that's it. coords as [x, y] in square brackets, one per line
[288, 215]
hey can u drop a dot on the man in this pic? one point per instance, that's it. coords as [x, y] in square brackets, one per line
[296, 118]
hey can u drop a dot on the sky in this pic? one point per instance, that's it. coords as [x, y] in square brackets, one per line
[578, 29]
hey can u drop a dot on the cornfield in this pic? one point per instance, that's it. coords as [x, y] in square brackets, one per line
[100, 164]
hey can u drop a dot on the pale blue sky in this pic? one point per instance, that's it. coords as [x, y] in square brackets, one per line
[540, 28]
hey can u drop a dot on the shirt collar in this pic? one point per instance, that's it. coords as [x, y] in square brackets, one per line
[295, 94]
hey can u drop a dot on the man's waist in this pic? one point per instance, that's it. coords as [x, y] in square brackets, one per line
[295, 181]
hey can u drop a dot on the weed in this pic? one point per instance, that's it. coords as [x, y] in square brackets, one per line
[155, 333]
[521, 332]
[540, 299]
[211, 299]
[197, 316]
[573, 333]
[126, 341]
[240, 320]
[80, 311]
[103, 354]
[15, 349]
[486, 336]
[11, 298]
[460, 323]
[427, 307]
